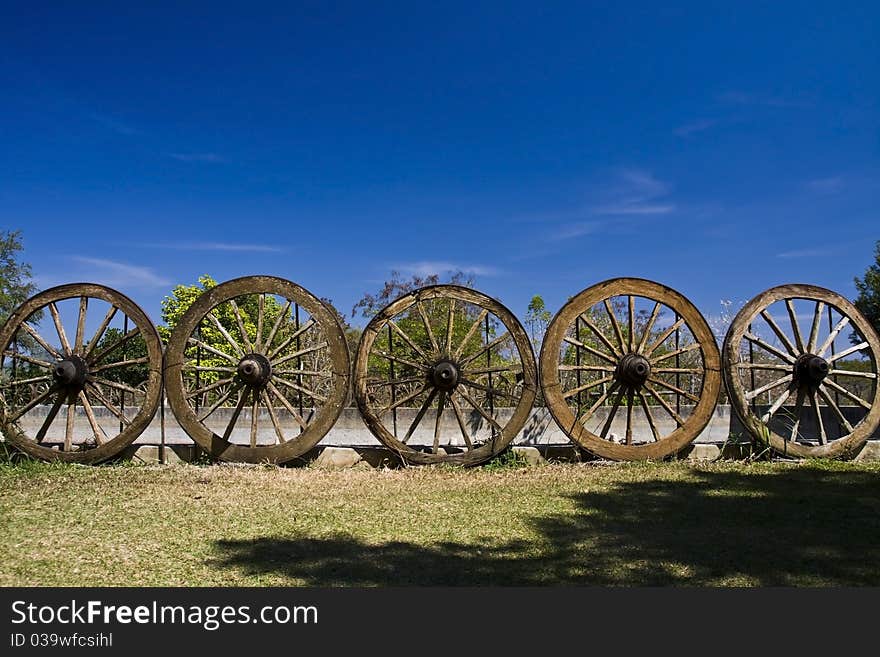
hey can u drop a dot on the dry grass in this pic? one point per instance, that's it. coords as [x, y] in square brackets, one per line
[726, 524]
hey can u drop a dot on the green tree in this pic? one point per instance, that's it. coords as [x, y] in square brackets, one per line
[16, 285]
[537, 320]
[868, 299]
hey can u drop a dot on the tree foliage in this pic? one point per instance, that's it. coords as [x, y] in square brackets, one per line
[868, 299]
[537, 320]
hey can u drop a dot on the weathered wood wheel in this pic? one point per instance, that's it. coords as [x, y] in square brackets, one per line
[637, 344]
[807, 390]
[445, 347]
[257, 351]
[105, 373]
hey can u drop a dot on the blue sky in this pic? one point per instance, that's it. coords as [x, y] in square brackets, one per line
[719, 148]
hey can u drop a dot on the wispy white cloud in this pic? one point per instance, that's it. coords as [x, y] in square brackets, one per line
[113, 124]
[212, 246]
[828, 185]
[211, 158]
[803, 253]
[428, 268]
[750, 98]
[120, 274]
[695, 127]
[636, 192]
[577, 229]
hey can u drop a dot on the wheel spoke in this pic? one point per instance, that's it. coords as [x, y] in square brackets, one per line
[471, 331]
[281, 316]
[121, 363]
[656, 395]
[100, 332]
[409, 341]
[275, 424]
[486, 347]
[326, 375]
[114, 384]
[799, 402]
[311, 393]
[255, 410]
[217, 404]
[783, 338]
[110, 406]
[45, 345]
[81, 324]
[587, 368]
[776, 405]
[380, 383]
[301, 352]
[293, 336]
[450, 323]
[678, 370]
[242, 398]
[823, 439]
[28, 359]
[20, 382]
[751, 337]
[226, 336]
[773, 384]
[792, 316]
[843, 391]
[836, 409]
[495, 369]
[241, 329]
[216, 352]
[428, 330]
[649, 416]
[288, 406]
[610, 391]
[495, 392]
[629, 416]
[860, 375]
[403, 361]
[440, 403]
[50, 417]
[632, 323]
[653, 318]
[461, 423]
[595, 329]
[100, 436]
[419, 415]
[683, 350]
[587, 386]
[814, 330]
[113, 347]
[612, 413]
[206, 368]
[68, 426]
[847, 352]
[830, 340]
[672, 388]
[59, 328]
[614, 325]
[663, 336]
[36, 401]
[209, 387]
[589, 349]
[764, 366]
[402, 401]
[479, 409]
[260, 303]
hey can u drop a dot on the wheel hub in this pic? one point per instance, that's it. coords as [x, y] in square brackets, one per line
[254, 370]
[633, 370]
[70, 372]
[811, 369]
[444, 375]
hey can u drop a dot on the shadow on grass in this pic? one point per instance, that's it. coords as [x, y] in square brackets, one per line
[803, 527]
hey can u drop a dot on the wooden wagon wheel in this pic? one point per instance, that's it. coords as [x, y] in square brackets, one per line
[257, 370]
[808, 389]
[443, 348]
[637, 344]
[104, 370]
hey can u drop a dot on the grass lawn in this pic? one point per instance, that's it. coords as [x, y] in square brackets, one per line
[726, 524]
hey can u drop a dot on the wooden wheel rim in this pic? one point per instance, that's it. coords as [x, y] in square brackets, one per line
[552, 386]
[325, 414]
[113, 445]
[521, 411]
[847, 445]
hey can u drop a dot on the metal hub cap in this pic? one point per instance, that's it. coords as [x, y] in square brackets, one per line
[70, 372]
[810, 369]
[254, 370]
[444, 375]
[633, 370]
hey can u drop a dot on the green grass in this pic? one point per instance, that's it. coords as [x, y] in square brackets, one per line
[726, 524]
